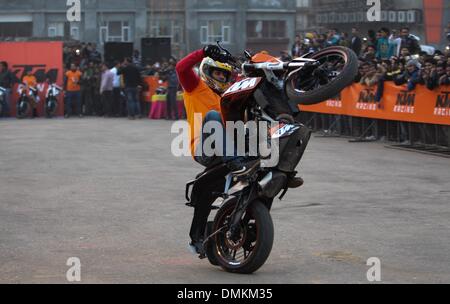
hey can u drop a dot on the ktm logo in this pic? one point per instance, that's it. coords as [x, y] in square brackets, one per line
[405, 102]
[38, 70]
[404, 98]
[442, 104]
[367, 100]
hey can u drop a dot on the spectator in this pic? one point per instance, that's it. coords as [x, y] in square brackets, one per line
[333, 38]
[73, 88]
[137, 60]
[95, 55]
[409, 42]
[356, 42]
[87, 89]
[405, 55]
[106, 90]
[7, 80]
[30, 81]
[133, 81]
[369, 54]
[393, 69]
[117, 100]
[345, 42]
[396, 42]
[411, 76]
[298, 49]
[173, 84]
[445, 79]
[373, 75]
[429, 75]
[385, 48]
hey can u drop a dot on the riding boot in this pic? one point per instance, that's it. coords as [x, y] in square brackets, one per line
[35, 113]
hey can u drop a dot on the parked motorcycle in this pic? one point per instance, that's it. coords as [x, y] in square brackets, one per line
[24, 105]
[241, 236]
[51, 100]
[2, 99]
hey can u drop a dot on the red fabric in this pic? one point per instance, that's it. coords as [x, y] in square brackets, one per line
[185, 70]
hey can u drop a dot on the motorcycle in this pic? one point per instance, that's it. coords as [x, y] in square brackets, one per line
[241, 236]
[51, 100]
[2, 99]
[24, 103]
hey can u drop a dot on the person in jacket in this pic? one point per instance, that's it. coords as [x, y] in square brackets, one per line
[411, 77]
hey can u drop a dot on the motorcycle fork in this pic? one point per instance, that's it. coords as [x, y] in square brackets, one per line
[243, 203]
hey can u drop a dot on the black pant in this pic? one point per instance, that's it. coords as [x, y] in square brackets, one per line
[116, 102]
[172, 105]
[107, 101]
[87, 100]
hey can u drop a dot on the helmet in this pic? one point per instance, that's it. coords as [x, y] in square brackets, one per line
[206, 69]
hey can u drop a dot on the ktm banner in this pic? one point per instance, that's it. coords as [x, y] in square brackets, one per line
[44, 59]
[420, 105]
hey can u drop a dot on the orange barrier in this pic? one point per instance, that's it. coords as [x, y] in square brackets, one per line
[420, 105]
[44, 58]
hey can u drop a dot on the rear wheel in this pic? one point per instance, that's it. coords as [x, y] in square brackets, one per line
[335, 70]
[250, 251]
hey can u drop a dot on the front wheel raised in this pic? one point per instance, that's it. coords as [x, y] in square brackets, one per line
[336, 69]
[248, 253]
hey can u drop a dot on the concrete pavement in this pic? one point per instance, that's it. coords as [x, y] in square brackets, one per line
[110, 193]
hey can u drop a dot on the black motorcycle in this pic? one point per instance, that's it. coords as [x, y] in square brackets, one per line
[51, 100]
[241, 236]
[2, 99]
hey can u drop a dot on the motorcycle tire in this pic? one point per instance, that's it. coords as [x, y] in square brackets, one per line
[23, 110]
[51, 111]
[210, 245]
[334, 87]
[264, 237]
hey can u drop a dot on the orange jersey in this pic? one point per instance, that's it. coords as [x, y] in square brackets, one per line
[73, 81]
[30, 81]
[200, 101]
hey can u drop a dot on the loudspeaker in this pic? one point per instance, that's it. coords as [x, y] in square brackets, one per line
[118, 51]
[155, 50]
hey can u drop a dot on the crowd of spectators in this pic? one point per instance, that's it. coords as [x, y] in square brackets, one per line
[386, 55]
[114, 88]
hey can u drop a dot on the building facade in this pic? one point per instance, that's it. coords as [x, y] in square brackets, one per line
[418, 15]
[251, 24]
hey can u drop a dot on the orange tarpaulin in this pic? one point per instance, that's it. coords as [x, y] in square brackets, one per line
[420, 105]
[45, 59]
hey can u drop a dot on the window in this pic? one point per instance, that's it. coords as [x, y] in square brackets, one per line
[16, 29]
[75, 32]
[115, 31]
[167, 29]
[56, 29]
[266, 29]
[213, 31]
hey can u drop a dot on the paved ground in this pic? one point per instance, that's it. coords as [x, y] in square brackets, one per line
[110, 193]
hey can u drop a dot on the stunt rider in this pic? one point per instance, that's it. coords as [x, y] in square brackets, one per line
[202, 95]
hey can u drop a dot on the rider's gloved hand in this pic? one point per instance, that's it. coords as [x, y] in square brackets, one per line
[213, 52]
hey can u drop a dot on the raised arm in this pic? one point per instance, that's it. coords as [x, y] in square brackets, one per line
[185, 70]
